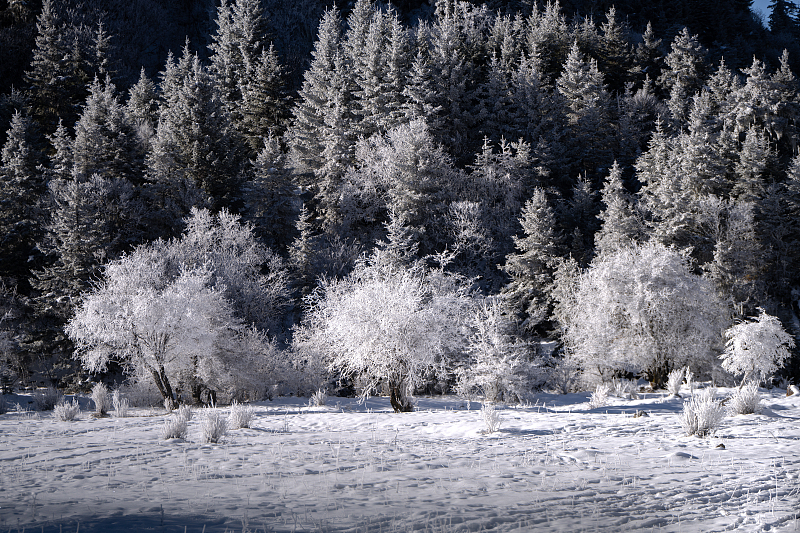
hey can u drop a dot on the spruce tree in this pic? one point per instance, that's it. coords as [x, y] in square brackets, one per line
[531, 268]
[21, 185]
[621, 224]
[105, 141]
[685, 72]
[195, 140]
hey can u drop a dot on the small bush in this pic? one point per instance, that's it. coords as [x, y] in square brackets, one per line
[599, 397]
[47, 399]
[240, 416]
[674, 382]
[745, 400]
[175, 427]
[101, 399]
[491, 417]
[66, 412]
[121, 405]
[703, 414]
[214, 426]
[186, 411]
[624, 388]
[318, 399]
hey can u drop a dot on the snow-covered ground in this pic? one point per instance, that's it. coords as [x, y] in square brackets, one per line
[556, 465]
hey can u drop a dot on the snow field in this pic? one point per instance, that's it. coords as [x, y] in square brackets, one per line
[556, 465]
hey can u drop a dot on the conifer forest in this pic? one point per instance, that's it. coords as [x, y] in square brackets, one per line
[236, 200]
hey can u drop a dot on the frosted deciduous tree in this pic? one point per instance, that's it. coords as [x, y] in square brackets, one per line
[386, 325]
[642, 310]
[191, 313]
[156, 327]
[498, 365]
[756, 348]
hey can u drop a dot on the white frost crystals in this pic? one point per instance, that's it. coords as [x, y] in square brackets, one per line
[702, 414]
[756, 348]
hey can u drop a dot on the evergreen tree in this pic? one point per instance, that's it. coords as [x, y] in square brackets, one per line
[20, 188]
[685, 72]
[782, 17]
[321, 133]
[531, 268]
[54, 78]
[105, 142]
[621, 224]
[269, 195]
[615, 58]
[586, 100]
[195, 140]
[142, 107]
[549, 39]
[756, 160]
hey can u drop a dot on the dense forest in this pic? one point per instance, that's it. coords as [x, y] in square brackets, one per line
[258, 197]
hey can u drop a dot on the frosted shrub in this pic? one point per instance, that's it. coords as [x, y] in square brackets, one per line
[121, 405]
[240, 416]
[101, 399]
[624, 388]
[674, 382]
[599, 396]
[175, 427]
[46, 399]
[491, 418]
[66, 412]
[703, 414]
[214, 426]
[186, 411]
[745, 400]
[318, 399]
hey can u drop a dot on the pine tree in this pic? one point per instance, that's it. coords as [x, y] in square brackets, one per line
[105, 142]
[685, 72]
[323, 108]
[419, 94]
[195, 140]
[621, 224]
[615, 58]
[586, 99]
[549, 39]
[263, 106]
[20, 188]
[756, 160]
[531, 268]
[142, 106]
[55, 84]
[269, 195]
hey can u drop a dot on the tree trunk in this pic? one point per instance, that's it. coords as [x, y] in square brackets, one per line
[400, 403]
[162, 382]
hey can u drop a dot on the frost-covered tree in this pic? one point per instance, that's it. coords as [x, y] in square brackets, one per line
[756, 348]
[195, 143]
[153, 326]
[685, 72]
[621, 222]
[105, 141]
[531, 268]
[499, 364]
[191, 313]
[21, 185]
[55, 78]
[384, 325]
[642, 310]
